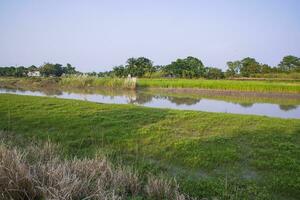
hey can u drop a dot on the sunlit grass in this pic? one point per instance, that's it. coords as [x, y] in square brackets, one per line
[255, 157]
[253, 86]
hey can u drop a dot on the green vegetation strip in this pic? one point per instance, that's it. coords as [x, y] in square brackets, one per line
[253, 86]
[211, 154]
[92, 82]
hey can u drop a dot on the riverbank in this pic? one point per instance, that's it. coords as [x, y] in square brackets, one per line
[223, 85]
[210, 154]
[277, 87]
[67, 82]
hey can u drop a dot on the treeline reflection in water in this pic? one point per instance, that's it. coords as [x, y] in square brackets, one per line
[257, 105]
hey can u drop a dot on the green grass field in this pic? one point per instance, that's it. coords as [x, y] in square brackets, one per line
[210, 154]
[238, 85]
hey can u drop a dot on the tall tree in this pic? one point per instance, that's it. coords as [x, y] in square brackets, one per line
[189, 67]
[69, 69]
[249, 66]
[120, 71]
[233, 68]
[139, 66]
[49, 69]
[290, 63]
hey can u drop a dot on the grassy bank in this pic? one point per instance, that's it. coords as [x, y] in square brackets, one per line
[210, 154]
[81, 82]
[68, 82]
[237, 85]
[94, 82]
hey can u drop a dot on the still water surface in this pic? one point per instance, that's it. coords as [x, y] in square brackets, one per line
[158, 100]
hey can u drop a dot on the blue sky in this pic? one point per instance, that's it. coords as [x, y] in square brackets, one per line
[95, 35]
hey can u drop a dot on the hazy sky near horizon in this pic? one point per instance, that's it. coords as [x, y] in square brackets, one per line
[96, 35]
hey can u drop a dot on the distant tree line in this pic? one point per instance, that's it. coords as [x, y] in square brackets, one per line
[192, 67]
[47, 69]
[189, 67]
[249, 67]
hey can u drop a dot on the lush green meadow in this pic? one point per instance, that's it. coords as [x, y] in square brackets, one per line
[210, 154]
[237, 85]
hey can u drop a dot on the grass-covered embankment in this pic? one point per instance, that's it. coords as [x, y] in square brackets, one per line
[211, 154]
[236, 85]
[68, 82]
[123, 83]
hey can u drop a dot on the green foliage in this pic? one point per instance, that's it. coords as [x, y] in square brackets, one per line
[68, 70]
[49, 69]
[249, 67]
[137, 67]
[13, 71]
[290, 64]
[211, 154]
[189, 67]
[213, 73]
[46, 70]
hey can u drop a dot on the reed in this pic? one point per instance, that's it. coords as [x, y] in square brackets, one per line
[51, 177]
[84, 82]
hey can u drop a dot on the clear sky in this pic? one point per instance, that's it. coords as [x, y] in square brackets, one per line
[94, 35]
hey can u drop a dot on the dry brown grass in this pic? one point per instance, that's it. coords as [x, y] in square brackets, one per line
[38, 173]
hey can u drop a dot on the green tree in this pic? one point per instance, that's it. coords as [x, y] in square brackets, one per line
[233, 68]
[139, 66]
[69, 69]
[20, 71]
[265, 69]
[189, 67]
[289, 64]
[49, 69]
[213, 73]
[249, 66]
[120, 71]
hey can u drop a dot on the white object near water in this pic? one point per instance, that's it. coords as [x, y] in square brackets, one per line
[34, 74]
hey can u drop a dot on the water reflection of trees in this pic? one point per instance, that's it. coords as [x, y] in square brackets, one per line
[183, 100]
[287, 107]
[246, 105]
[141, 98]
[51, 92]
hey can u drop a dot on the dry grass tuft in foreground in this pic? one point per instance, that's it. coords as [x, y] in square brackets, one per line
[37, 173]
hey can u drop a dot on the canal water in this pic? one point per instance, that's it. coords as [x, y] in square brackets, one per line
[271, 106]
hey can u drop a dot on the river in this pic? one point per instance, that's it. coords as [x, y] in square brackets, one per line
[238, 104]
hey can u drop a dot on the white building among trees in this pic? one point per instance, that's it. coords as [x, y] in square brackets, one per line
[34, 74]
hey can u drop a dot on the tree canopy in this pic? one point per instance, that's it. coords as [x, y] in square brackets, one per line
[189, 67]
[289, 64]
